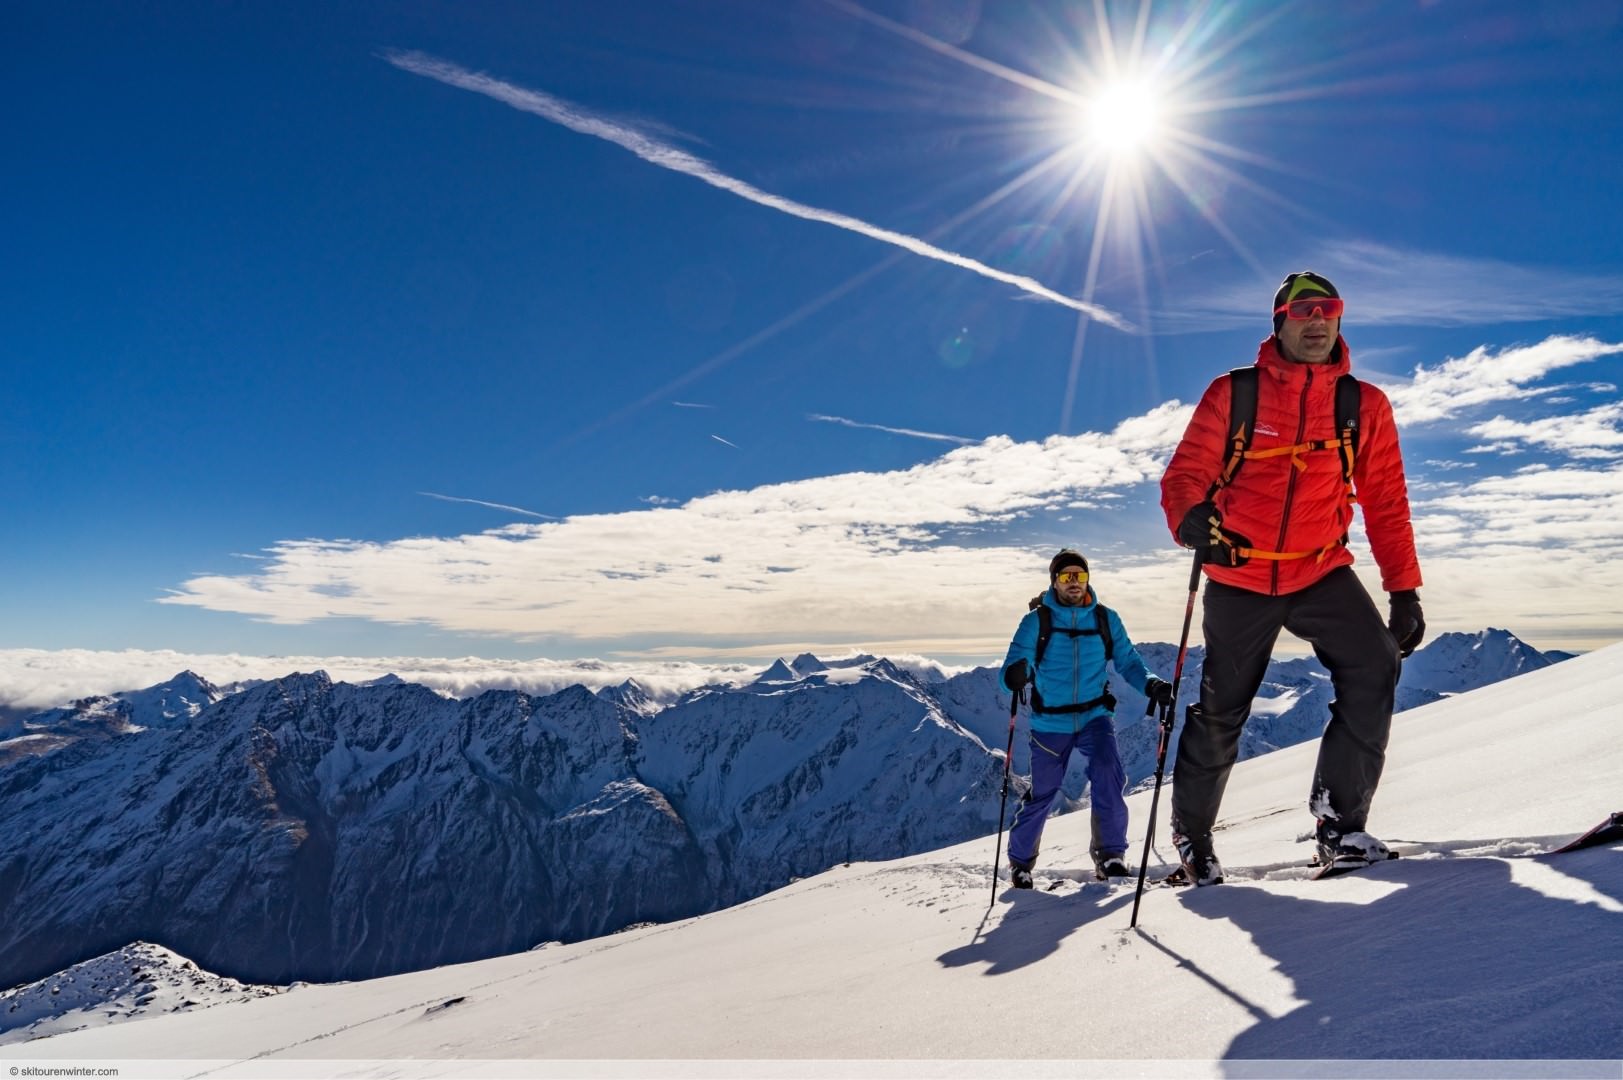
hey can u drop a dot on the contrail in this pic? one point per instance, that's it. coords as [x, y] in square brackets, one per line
[492, 505]
[991, 67]
[719, 439]
[669, 157]
[959, 439]
[691, 405]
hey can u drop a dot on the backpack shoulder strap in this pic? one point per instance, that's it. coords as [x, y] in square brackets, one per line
[1242, 424]
[1045, 630]
[1348, 400]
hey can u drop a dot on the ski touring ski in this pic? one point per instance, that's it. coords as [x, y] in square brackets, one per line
[1607, 832]
[1345, 864]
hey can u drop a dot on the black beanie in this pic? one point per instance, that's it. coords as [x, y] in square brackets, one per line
[1066, 557]
[1302, 283]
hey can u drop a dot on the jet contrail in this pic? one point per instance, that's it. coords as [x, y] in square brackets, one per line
[669, 157]
[719, 439]
[959, 439]
[492, 505]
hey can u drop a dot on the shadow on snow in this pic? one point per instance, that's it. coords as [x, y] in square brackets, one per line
[1460, 961]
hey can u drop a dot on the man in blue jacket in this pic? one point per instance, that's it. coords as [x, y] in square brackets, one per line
[1071, 709]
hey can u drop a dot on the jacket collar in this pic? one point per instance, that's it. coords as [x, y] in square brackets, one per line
[1053, 601]
[1271, 360]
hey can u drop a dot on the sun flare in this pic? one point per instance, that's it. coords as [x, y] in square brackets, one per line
[1123, 118]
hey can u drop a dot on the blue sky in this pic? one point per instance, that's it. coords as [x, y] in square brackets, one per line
[713, 331]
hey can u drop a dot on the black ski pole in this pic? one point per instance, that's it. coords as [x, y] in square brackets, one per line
[1003, 805]
[1166, 732]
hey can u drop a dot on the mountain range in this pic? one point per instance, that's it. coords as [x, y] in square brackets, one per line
[1475, 954]
[301, 829]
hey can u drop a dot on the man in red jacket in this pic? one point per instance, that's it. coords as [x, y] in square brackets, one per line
[1273, 538]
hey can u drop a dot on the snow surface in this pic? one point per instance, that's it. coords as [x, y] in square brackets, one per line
[1469, 947]
[138, 980]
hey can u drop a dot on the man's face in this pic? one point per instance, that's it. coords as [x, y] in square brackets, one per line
[1071, 585]
[1310, 340]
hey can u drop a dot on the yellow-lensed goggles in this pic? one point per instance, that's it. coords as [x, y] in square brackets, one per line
[1072, 577]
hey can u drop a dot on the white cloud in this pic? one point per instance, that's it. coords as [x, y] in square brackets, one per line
[917, 553]
[1592, 434]
[1539, 552]
[1482, 377]
[42, 678]
[47, 678]
[938, 559]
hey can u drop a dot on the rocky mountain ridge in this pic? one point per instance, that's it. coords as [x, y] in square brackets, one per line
[306, 829]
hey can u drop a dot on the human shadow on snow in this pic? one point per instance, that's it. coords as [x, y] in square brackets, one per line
[1458, 962]
[1032, 924]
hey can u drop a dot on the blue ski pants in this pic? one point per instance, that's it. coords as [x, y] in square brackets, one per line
[1050, 754]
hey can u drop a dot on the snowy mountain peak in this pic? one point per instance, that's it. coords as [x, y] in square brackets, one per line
[138, 980]
[632, 696]
[172, 702]
[779, 672]
[1456, 662]
[807, 664]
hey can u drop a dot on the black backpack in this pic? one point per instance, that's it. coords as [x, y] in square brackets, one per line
[1045, 630]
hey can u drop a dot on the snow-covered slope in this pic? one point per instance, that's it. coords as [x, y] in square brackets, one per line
[1468, 947]
[138, 980]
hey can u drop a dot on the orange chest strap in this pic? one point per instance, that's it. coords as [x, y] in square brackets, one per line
[1297, 453]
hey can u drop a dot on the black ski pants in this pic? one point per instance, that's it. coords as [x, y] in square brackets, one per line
[1336, 616]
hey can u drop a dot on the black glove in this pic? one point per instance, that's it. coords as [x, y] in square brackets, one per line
[1017, 675]
[1202, 527]
[1198, 524]
[1159, 691]
[1407, 622]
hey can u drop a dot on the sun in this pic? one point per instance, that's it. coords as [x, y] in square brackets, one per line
[1123, 118]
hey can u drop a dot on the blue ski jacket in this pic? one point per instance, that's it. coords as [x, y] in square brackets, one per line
[1073, 667]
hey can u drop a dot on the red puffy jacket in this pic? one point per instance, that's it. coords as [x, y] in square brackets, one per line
[1286, 504]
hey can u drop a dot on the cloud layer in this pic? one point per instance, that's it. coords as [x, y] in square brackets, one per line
[41, 679]
[936, 559]
[784, 562]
